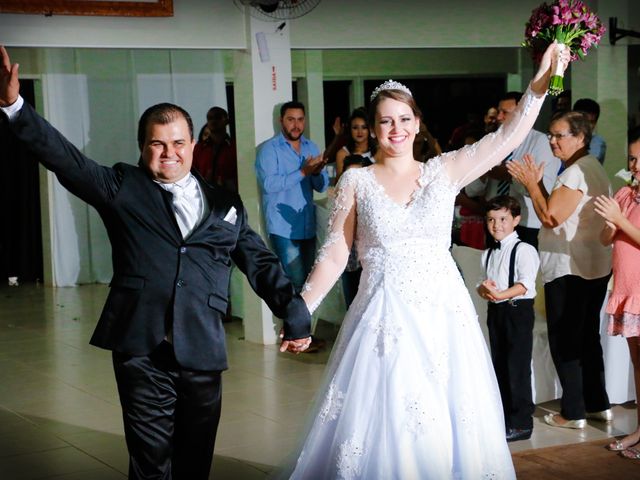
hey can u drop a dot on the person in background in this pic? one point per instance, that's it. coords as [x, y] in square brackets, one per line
[214, 156]
[338, 141]
[575, 267]
[490, 120]
[622, 228]
[473, 122]
[509, 286]
[537, 146]
[425, 145]
[359, 142]
[591, 108]
[289, 168]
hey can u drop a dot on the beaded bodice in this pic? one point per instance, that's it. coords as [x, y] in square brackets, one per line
[407, 244]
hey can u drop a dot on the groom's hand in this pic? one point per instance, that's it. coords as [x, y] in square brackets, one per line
[9, 85]
[295, 346]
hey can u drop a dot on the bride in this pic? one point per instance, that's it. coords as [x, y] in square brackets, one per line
[410, 390]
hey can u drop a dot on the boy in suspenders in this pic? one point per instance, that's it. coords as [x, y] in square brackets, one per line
[510, 267]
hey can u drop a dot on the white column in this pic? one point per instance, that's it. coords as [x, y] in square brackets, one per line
[357, 93]
[602, 76]
[263, 83]
[310, 92]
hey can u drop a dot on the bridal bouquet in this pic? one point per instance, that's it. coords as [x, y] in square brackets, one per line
[569, 22]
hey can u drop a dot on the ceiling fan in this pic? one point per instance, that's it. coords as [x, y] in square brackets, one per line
[275, 10]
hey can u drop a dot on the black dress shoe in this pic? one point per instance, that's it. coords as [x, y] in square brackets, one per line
[515, 434]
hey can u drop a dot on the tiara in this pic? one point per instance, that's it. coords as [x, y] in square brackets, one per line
[389, 85]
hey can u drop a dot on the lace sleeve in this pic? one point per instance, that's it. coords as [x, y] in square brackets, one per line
[472, 161]
[334, 253]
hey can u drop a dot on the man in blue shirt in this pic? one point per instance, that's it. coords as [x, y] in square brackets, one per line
[289, 167]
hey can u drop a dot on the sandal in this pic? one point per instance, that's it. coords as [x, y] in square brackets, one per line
[620, 445]
[632, 453]
[616, 446]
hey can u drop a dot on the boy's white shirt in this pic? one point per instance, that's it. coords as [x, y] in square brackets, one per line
[527, 263]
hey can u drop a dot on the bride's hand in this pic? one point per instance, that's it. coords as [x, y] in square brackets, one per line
[555, 53]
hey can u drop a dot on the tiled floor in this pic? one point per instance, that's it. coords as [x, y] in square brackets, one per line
[59, 410]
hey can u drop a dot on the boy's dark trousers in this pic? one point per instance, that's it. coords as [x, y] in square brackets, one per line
[511, 338]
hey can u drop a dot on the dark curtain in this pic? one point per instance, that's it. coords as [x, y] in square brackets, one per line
[21, 238]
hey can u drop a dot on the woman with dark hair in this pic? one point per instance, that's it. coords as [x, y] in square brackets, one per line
[575, 267]
[358, 140]
[410, 390]
[622, 228]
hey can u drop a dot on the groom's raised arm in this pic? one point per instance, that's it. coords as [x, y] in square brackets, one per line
[79, 174]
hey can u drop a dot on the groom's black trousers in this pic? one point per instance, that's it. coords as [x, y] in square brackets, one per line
[170, 415]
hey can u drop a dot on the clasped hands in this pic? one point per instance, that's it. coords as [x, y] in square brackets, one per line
[489, 290]
[294, 346]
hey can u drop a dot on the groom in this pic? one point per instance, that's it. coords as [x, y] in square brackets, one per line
[173, 237]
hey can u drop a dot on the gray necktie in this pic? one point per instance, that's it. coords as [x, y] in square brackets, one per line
[186, 204]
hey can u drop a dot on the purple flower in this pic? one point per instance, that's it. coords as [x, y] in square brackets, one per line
[586, 43]
[591, 21]
[568, 21]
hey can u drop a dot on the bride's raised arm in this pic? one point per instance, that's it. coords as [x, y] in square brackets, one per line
[470, 162]
[333, 255]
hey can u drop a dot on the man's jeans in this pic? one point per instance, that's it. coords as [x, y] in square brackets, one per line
[296, 256]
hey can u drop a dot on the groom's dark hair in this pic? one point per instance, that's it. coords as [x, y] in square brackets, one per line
[161, 114]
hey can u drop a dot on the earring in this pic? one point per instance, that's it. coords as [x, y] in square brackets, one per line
[417, 130]
[372, 135]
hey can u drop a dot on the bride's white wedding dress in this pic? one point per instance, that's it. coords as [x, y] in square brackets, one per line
[410, 391]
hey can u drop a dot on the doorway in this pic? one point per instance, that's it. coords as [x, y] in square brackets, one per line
[21, 238]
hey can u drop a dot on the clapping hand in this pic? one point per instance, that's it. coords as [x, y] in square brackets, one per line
[338, 127]
[9, 84]
[314, 165]
[609, 209]
[527, 172]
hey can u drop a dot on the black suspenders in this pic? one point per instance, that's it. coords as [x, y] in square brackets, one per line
[512, 263]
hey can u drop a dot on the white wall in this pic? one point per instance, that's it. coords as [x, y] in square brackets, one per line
[195, 24]
[413, 23]
[219, 24]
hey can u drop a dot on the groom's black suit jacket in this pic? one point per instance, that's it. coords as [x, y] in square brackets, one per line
[160, 281]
